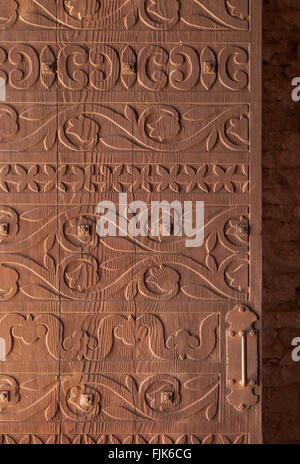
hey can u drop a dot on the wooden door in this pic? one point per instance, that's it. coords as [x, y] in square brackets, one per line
[123, 339]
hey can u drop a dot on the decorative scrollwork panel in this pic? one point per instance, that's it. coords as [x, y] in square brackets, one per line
[92, 267]
[122, 338]
[100, 68]
[232, 15]
[96, 398]
[98, 127]
[113, 337]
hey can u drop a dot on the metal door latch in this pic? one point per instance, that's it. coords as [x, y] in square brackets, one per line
[242, 358]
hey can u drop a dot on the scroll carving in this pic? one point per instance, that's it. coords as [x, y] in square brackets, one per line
[162, 128]
[104, 67]
[83, 398]
[96, 336]
[164, 269]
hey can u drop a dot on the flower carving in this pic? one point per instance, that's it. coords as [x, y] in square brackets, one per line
[238, 129]
[9, 224]
[224, 178]
[82, 132]
[163, 125]
[167, 178]
[162, 280]
[237, 230]
[197, 178]
[9, 392]
[238, 9]
[80, 231]
[4, 229]
[163, 394]
[160, 8]
[182, 341]
[162, 12]
[82, 9]
[27, 178]
[135, 178]
[82, 275]
[84, 401]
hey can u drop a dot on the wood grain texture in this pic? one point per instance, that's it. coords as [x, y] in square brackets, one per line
[124, 339]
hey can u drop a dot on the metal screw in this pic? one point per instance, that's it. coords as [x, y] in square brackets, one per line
[242, 406]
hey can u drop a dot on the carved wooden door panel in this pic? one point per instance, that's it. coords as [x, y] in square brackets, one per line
[124, 339]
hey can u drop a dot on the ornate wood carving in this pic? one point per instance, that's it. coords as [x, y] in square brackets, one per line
[123, 339]
[128, 14]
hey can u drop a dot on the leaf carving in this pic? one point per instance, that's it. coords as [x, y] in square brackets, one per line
[38, 292]
[131, 385]
[131, 19]
[131, 290]
[50, 140]
[211, 410]
[38, 384]
[212, 140]
[130, 114]
[51, 411]
[38, 214]
[118, 412]
[211, 242]
[36, 113]
[211, 263]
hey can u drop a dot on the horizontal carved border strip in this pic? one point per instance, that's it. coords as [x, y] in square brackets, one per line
[116, 439]
[94, 268]
[103, 127]
[127, 14]
[124, 177]
[119, 397]
[100, 68]
[113, 337]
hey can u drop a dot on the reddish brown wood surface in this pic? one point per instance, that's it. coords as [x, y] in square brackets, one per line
[119, 339]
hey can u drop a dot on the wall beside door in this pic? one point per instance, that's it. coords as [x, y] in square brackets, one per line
[281, 220]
